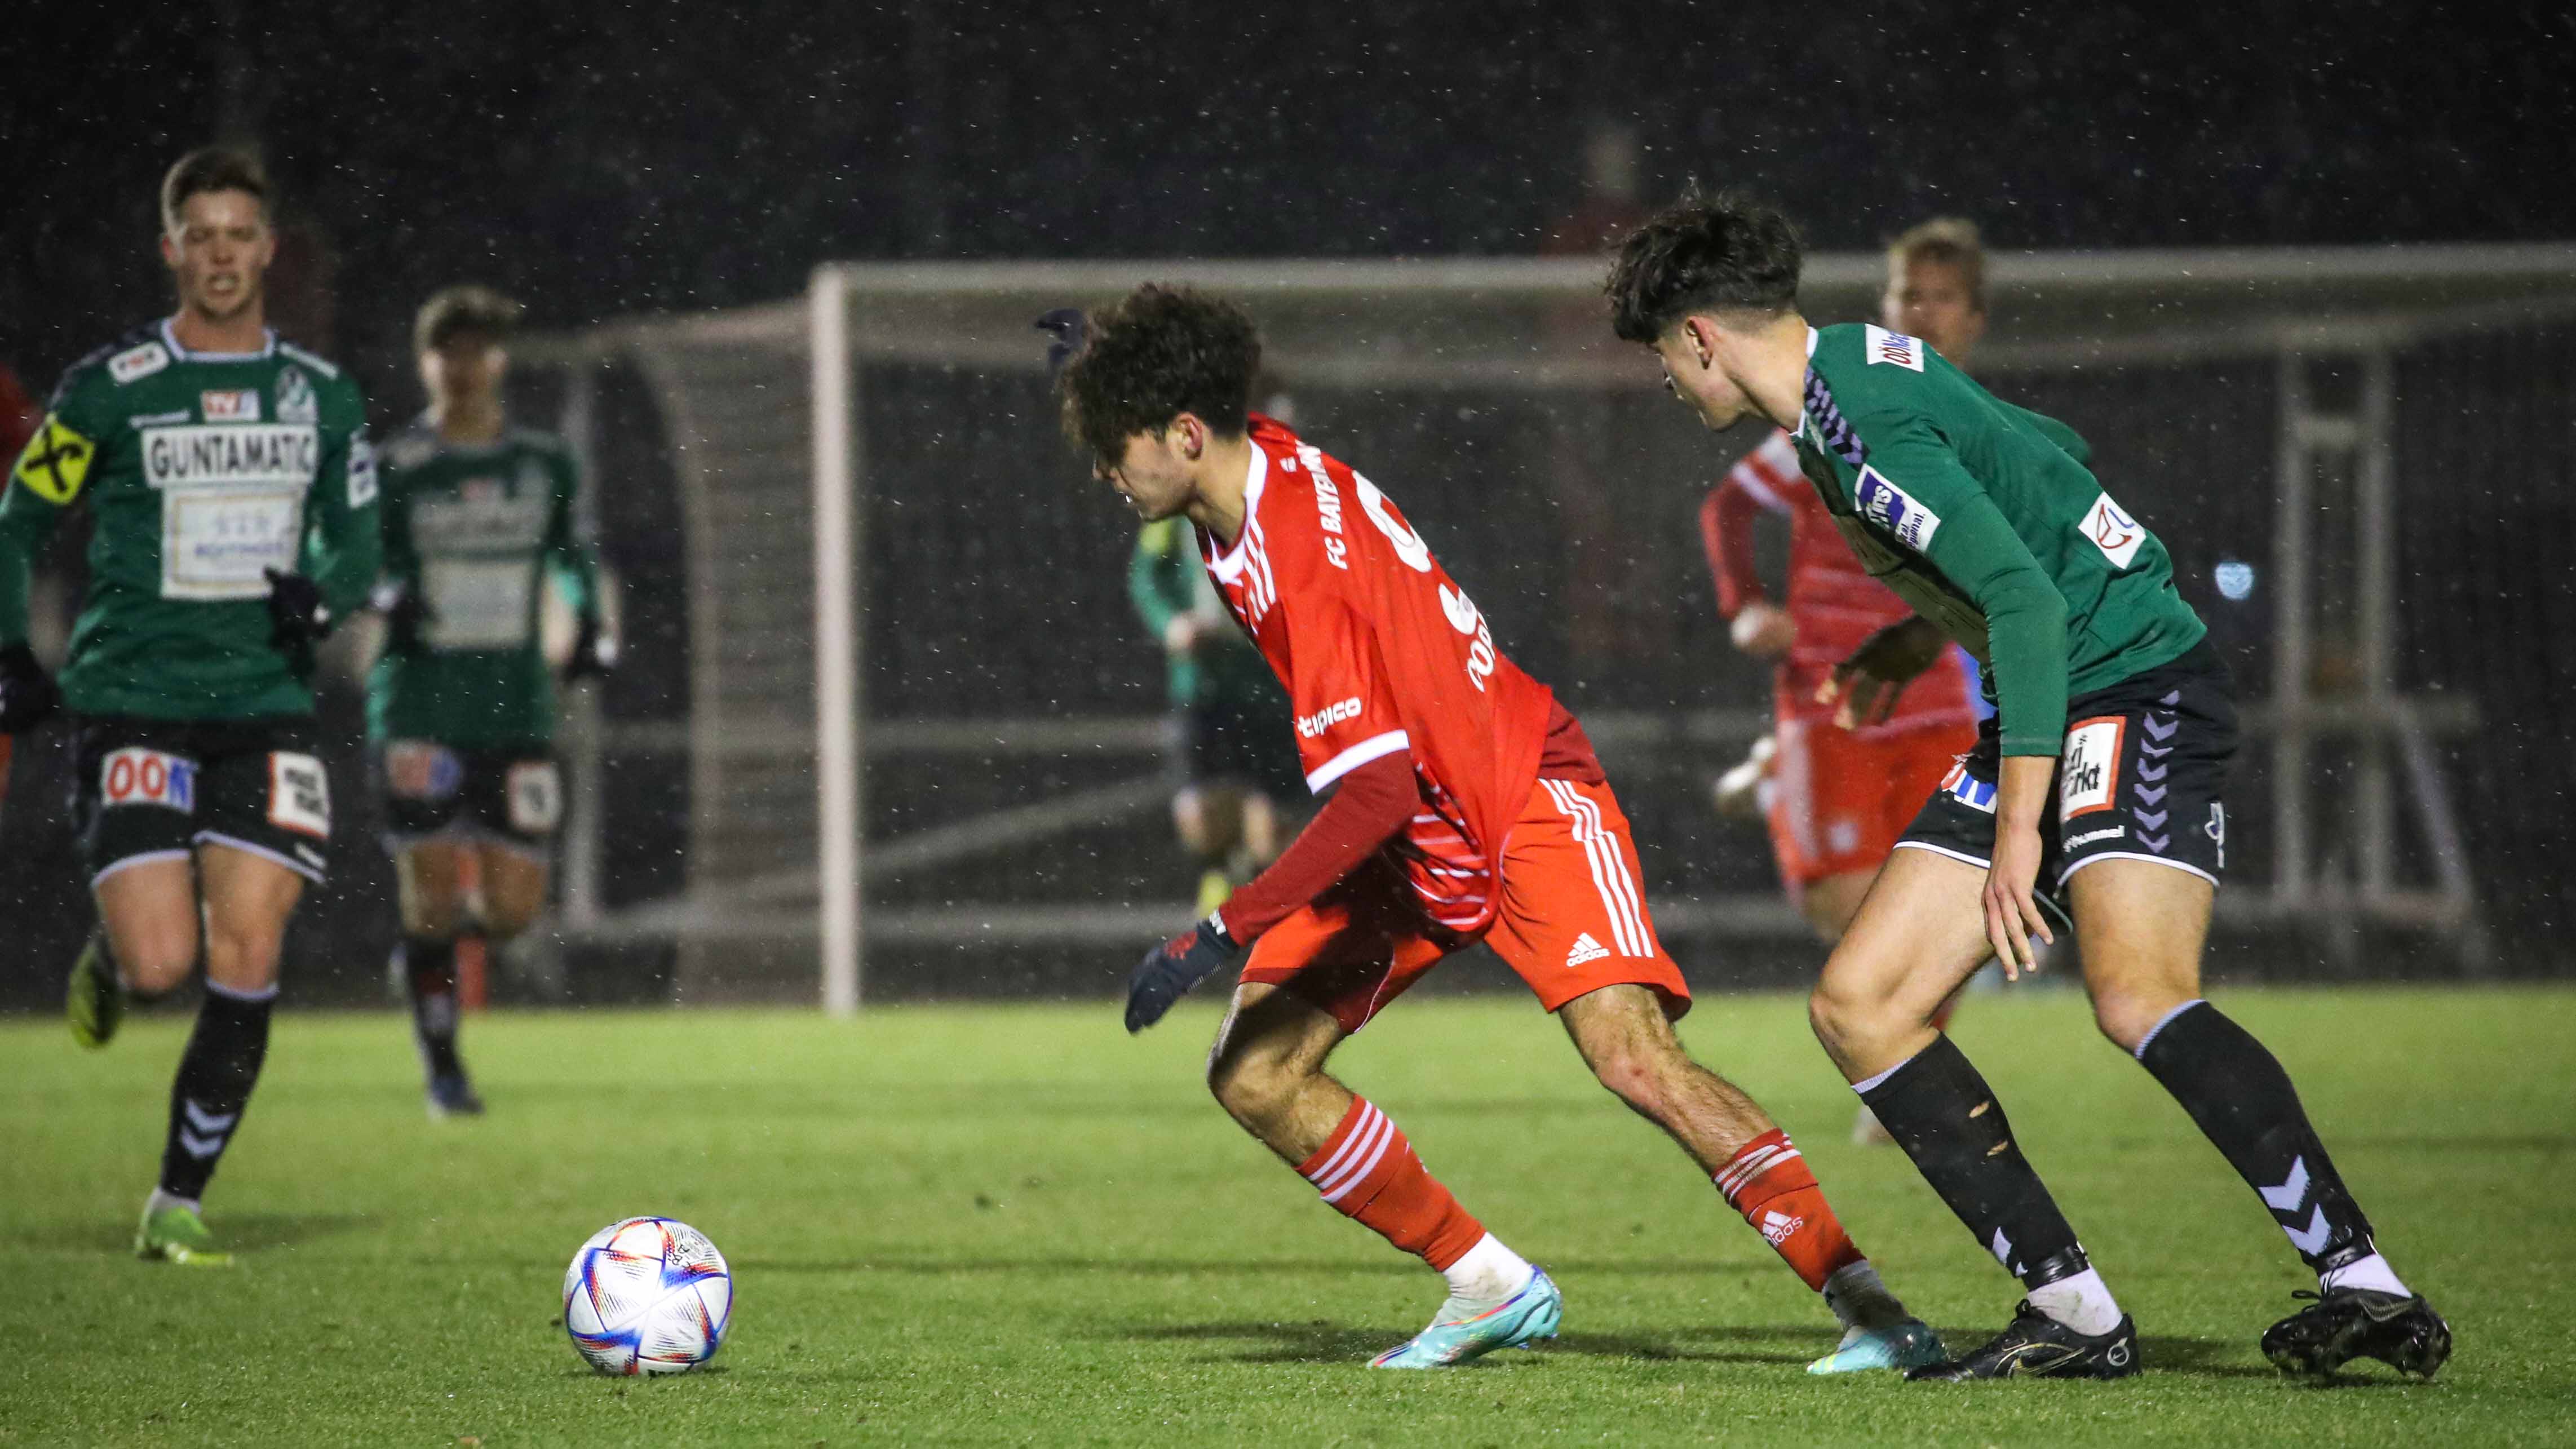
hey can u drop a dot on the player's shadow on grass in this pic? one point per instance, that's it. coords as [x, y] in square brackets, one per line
[935, 1266]
[1323, 1341]
[245, 1233]
[2220, 1359]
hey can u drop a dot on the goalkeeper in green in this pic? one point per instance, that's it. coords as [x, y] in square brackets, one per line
[2096, 793]
[478, 514]
[232, 503]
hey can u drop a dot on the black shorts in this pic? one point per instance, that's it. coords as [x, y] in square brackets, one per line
[2143, 776]
[511, 795]
[149, 789]
[1227, 741]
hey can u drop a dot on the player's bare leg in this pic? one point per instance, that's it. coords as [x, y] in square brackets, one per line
[430, 878]
[513, 891]
[145, 944]
[2140, 927]
[1267, 1070]
[1829, 904]
[247, 899]
[1627, 1040]
[1919, 934]
[1209, 819]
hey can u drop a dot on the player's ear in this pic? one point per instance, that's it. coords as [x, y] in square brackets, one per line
[1703, 340]
[169, 249]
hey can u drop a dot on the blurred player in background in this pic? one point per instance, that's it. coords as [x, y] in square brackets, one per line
[1238, 761]
[233, 505]
[1840, 786]
[1983, 517]
[478, 514]
[1464, 805]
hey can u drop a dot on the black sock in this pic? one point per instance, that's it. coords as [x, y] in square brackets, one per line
[1941, 1112]
[2242, 1100]
[429, 967]
[216, 1075]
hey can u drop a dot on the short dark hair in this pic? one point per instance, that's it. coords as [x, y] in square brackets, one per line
[1725, 253]
[454, 311]
[211, 168]
[1951, 241]
[1151, 356]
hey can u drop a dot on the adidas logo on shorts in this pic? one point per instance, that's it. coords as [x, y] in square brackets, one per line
[1777, 1226]
[1585, 949]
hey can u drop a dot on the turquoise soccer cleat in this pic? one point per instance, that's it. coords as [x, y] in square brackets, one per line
[1464, 1330]
[1910, 1344]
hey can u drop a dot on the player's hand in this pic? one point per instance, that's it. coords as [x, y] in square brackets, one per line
[2012, 916]
[1738, 793]
[1184, 634]
[1172, 968]
[298, 619]
[27, 692]
[405, 612]
[1864, 688]
[1763, 630]
[593, 652]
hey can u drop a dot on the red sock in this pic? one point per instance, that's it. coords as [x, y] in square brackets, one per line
[1366, 1170]
[1769, 1183]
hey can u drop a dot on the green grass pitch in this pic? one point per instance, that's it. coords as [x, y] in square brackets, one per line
[1017, 1225]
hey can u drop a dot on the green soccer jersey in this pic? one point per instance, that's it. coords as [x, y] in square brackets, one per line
[1985, 518]
[202, 471]
[472, 531]
[1164, 580]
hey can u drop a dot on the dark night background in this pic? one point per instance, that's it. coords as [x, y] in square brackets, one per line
[599, 160]
[603, 158]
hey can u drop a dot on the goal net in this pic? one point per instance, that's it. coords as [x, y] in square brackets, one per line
[913, 737]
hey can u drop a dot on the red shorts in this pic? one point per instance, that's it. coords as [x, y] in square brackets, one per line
[1841, 800]
[1572, 919]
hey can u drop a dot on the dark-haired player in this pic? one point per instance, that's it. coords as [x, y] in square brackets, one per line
[1463, 804]
[232, 499]
[461, 706]
[2097, 788]
[1842, 788]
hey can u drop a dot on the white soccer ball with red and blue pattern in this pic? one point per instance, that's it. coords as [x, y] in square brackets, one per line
[647, 1296]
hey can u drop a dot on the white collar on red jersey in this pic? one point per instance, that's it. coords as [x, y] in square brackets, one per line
[1228, 566]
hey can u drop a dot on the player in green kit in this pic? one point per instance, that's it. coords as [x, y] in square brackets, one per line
[461, 705]
[232, 501]
[1983, 517]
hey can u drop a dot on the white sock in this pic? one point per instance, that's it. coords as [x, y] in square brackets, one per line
[1489, 1272]
[1859, 1300]
[2372, 1272]
[2083, 1303]
[160, 1200]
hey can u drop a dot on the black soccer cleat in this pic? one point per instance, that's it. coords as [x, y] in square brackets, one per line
[2349, 1323]
[2036, 1346]
[452, 1095]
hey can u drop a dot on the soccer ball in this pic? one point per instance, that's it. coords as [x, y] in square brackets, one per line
[647, 1296]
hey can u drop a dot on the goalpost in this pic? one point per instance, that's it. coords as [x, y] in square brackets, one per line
[922, 729]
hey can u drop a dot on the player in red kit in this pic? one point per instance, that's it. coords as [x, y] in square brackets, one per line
[1844, 777]
[1462, 804]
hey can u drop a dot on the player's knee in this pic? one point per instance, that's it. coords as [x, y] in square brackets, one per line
[1254, 1085]
[1846, 1019]
[156, 963]
[243, 953]
[2125, 1016]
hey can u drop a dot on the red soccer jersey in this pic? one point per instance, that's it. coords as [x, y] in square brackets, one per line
[1382, 651]
[1833, 602]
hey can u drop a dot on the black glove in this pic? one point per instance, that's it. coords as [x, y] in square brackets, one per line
[1172, 968]
[592, 651]
[1066, 329]
[298, 619]
[405, 612]
[27, 693]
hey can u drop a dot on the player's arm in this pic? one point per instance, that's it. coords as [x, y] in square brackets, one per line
[572, 556]
[1759, 626]
[1149, 571]
[1360, 760]
[43, 484]
[1976, 548]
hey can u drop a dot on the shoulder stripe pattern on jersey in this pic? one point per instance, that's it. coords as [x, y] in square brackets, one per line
[1609, 869]
[1359, 1155]
[1829, 422]
[1375, 747]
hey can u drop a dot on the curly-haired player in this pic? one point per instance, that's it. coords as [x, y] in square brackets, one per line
[1464, 805]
